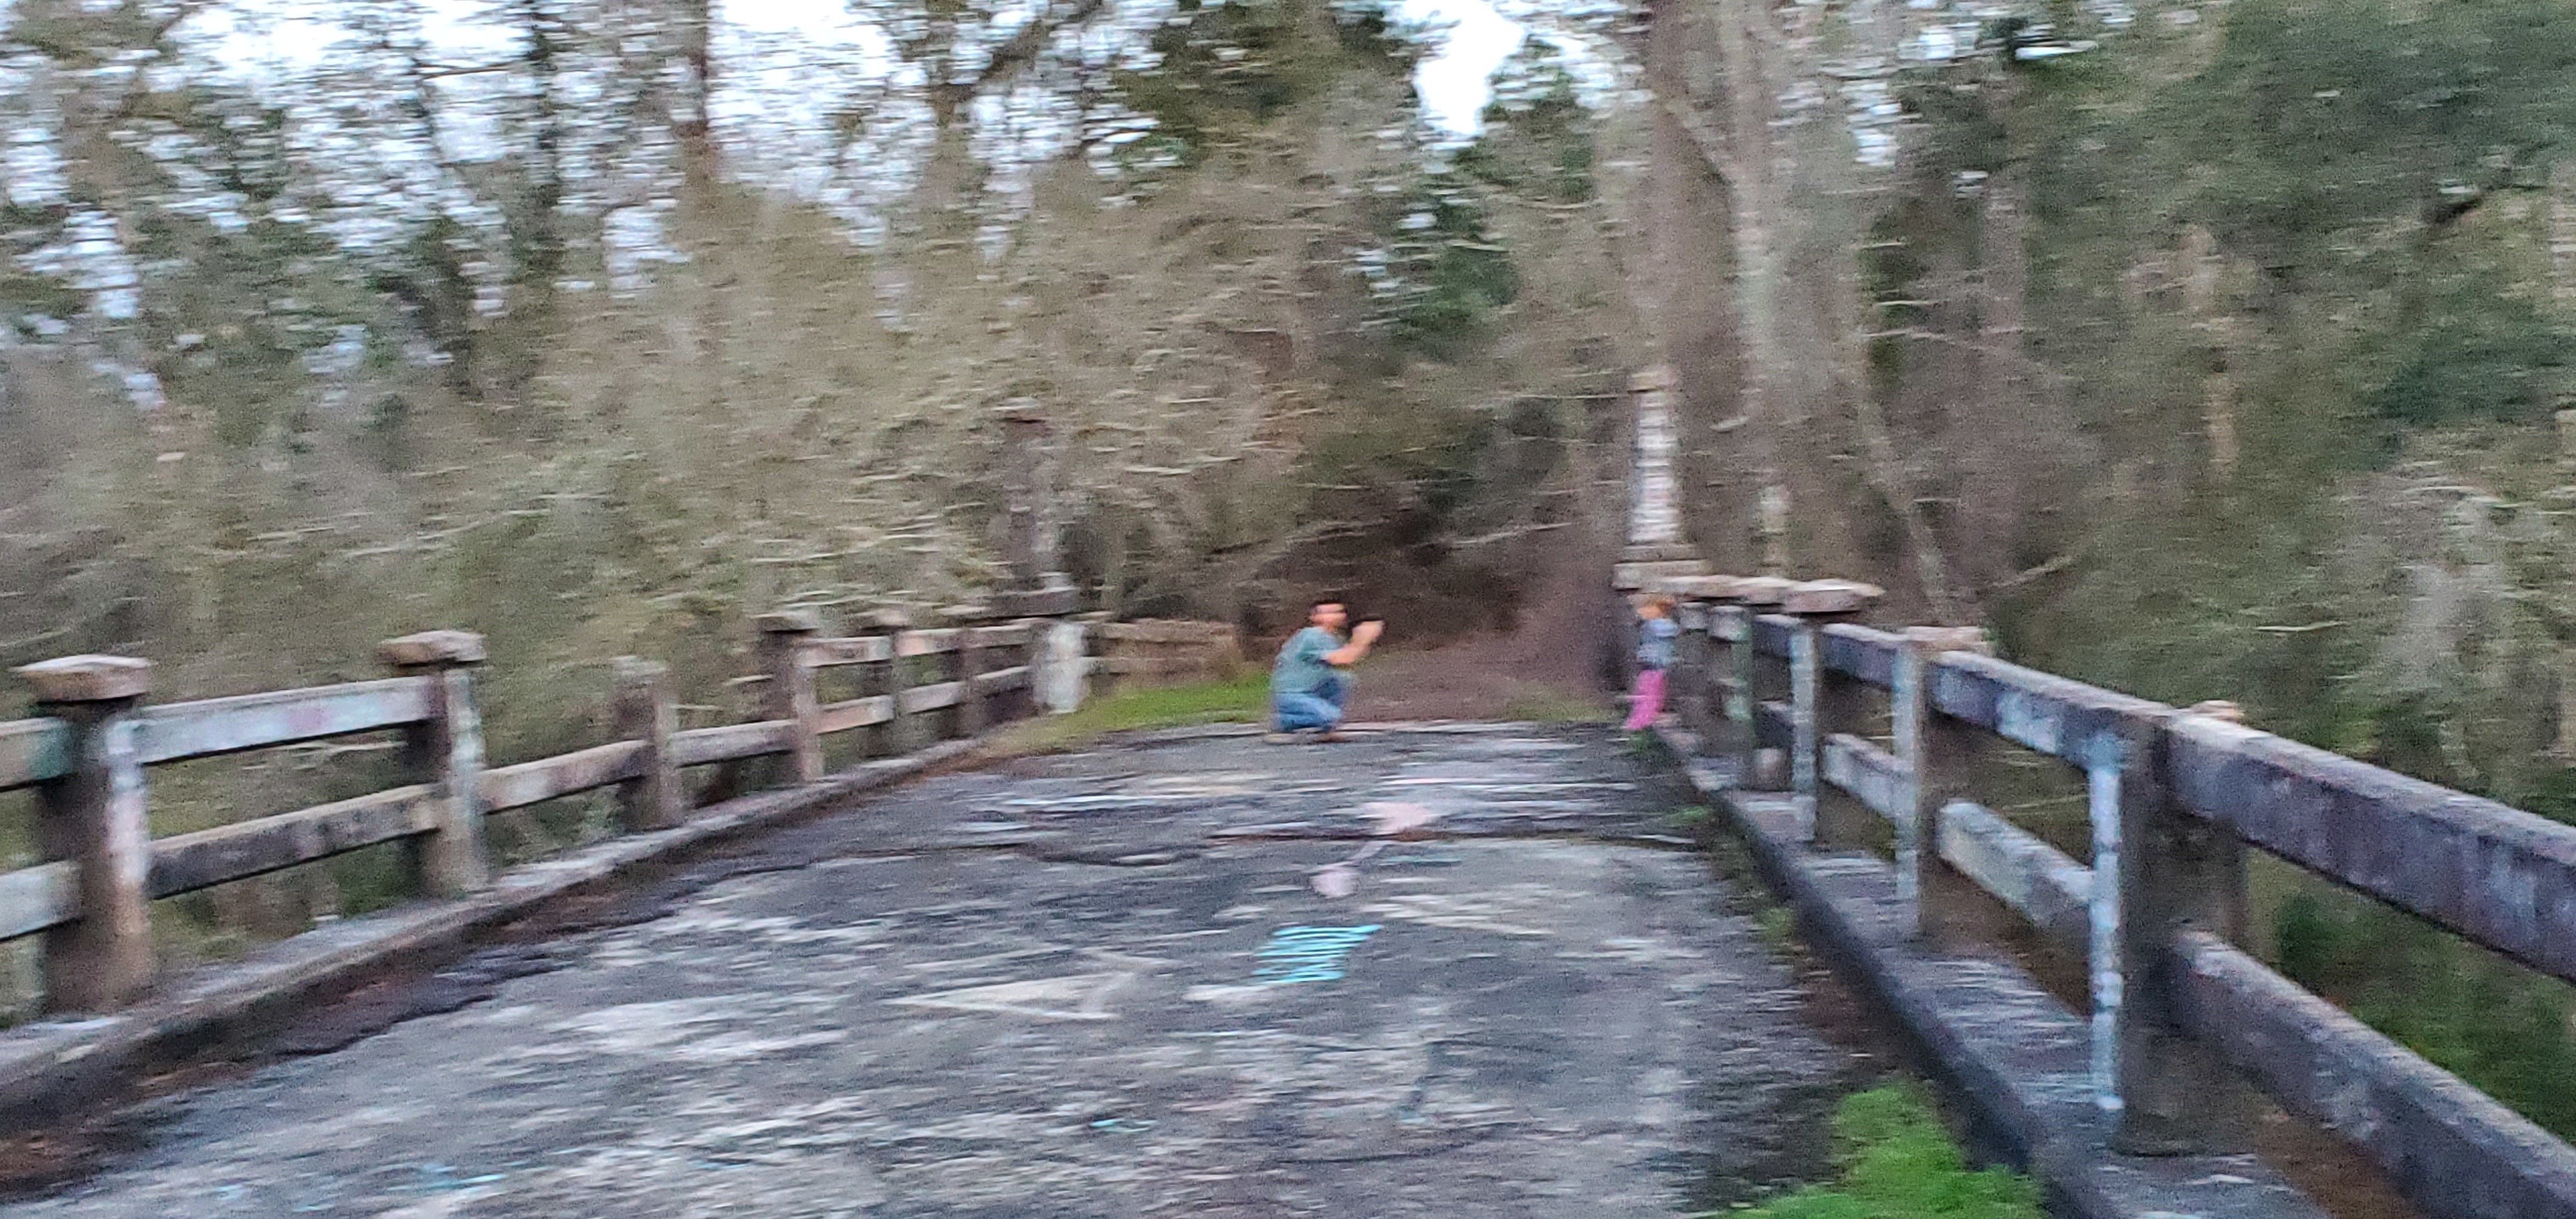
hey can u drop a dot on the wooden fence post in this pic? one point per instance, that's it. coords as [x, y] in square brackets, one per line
[95, 819]
[1759, 595]
[2157, 872]
[1940, 758]
[646, 712]
[790, 696]
[884, 679]
[1734, 629]
[973, 715]
[1826, 702]
[446, 752]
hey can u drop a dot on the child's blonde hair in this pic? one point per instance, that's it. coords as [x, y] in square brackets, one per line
[1661, 603]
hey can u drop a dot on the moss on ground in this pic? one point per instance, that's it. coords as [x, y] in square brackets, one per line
[1899, 1163]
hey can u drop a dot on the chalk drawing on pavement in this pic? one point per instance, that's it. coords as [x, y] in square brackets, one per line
[1308, 954]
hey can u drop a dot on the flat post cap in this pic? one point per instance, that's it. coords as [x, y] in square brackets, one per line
[432, 648]
[790, 622]
[88, 679]
[1829, 597]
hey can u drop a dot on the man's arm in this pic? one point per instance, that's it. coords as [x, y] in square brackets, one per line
[1361, 638]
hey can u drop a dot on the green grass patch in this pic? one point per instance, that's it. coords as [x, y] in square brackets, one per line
[1899, 1163]
[1778, 927]
[1243, 699]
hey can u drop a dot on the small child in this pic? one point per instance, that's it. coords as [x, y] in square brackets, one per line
[1656, 632]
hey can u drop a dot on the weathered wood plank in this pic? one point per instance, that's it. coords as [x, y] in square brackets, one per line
[1166, 632]
[1774, 634]
[699, 746]
[926, 643]
[2452, 1148]
[932, 698]
[33, 751]
[1730, 624]
[855, 713]
[2040, 711]
[1863, 653]
[2496, 874]
[2037, 880]
[209, 727]
[1007, 635]
[190, 862]
[1775, 724]
[32, 899]
[862, 650]
[1872, 775]
[1013, 678]
[527, 783]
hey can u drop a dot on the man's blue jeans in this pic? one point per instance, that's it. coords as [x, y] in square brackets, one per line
[1320, 708]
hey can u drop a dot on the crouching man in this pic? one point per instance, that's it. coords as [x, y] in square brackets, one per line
[1307, 686]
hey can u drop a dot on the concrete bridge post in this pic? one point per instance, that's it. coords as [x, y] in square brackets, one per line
[94, 819]
[2157, 872]
[1826, 702]
[445, 751]
[1940, 756]
[647, 713]
[790, 693]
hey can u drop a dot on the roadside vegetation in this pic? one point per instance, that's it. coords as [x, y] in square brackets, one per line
[1898, 1162]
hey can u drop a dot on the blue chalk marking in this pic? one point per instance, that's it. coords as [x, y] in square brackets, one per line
[1309, 954]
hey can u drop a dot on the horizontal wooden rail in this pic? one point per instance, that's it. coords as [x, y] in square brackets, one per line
[1872, 775]
[2439, 1136]
[2500, 876]
[1002, 680]
[931, 698]
[2062, 718]
[854, 713]
[1007, 635]
[212, 727]
[1775, 723]
[34, 751]
[1151, 632]
[865, 649]
[2037, 880]
[509, 787]
[1863, 654]
[33, 899]
[189, 862]
[732, 742]
[926, 643]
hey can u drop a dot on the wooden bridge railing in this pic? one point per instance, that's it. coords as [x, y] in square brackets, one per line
[1161, 652]
[88, 753]
[1774, 667]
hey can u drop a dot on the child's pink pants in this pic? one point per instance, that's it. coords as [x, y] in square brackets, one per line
[1649, 700]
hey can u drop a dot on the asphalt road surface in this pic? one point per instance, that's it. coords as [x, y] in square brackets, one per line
[1429, 972]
